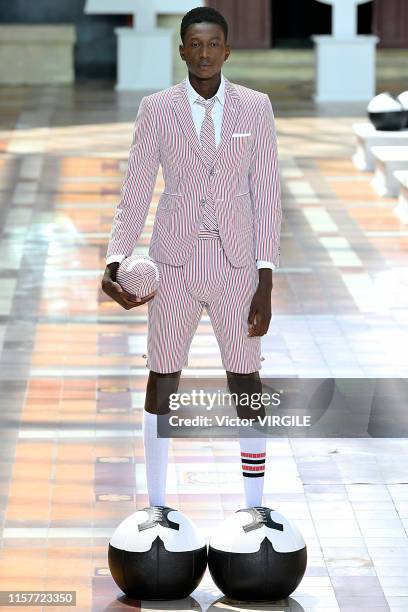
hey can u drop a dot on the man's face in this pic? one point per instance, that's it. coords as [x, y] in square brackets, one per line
[204, 49]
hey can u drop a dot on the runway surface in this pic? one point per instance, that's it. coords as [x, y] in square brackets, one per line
[73, 371]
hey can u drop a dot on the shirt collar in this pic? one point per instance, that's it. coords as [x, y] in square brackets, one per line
[193, 95]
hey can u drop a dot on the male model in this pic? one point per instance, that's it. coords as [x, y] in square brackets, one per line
[216, 231]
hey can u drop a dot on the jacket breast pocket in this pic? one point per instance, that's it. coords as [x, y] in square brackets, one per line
[240, 146]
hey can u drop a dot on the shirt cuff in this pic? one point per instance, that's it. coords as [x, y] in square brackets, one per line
[265, 264]
[112, 258]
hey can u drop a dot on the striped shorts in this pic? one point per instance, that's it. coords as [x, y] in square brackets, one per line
[207, 280]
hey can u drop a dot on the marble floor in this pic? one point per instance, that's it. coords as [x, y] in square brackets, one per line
[73, 372]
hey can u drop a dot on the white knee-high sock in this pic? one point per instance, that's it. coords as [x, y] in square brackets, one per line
[156, 459]
[253, 456]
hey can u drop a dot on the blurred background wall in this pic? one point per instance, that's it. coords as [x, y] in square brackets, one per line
[270, 38]
[95, 48]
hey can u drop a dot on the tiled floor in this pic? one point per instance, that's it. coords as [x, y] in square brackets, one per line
[72, 371]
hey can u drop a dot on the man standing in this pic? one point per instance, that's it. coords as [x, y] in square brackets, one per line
[216, 232]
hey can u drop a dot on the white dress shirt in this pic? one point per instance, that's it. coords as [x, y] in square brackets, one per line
[198, 110]
[198, 113]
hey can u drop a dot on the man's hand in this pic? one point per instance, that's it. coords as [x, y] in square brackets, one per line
[260, 311]
[111, 287]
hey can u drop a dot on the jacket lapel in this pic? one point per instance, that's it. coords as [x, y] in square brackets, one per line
[232, 108]
[182, 110]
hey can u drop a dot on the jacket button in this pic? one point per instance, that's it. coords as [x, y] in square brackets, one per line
[212, 172]
[202, 202]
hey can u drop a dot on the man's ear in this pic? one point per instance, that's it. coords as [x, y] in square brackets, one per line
[181, 51]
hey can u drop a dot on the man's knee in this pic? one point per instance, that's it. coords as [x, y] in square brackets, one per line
[158, 390]
[248, 388]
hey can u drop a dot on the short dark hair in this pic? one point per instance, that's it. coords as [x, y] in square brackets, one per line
[202, 14]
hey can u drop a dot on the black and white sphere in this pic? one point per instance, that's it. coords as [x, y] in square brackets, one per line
[386, 112]
[403, 100]
[157, 553]
[138, 275]
[257, 554]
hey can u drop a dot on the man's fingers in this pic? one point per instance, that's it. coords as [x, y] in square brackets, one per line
[135, 301]
[251, 315]
[123, 297]
[251, 320]
[259, 327]
[150, 296]
[252, 323]
[145, 299]
[117, 286]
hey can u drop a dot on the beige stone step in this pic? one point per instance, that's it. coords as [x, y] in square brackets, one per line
[295, 65]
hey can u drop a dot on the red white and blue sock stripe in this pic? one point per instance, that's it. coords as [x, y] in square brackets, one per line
[253, 464]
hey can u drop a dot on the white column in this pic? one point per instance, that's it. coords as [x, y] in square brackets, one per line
[345, 69]
[144, 51]
[345, 62]
[144, 59]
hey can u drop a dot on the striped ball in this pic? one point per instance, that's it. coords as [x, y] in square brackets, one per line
[138, 275]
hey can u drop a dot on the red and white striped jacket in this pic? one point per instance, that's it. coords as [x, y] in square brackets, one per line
[243, 178]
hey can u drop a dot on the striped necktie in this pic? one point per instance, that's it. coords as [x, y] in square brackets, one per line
[207, 133]
[207, 140]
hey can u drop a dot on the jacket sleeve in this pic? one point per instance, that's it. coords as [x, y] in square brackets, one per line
[264, 185]
[137, 188]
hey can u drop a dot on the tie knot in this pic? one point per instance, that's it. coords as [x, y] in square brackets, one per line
[208, 104]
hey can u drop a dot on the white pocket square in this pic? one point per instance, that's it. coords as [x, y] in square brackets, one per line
[239, 134]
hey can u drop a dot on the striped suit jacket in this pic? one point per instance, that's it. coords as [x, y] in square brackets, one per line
[243, 178]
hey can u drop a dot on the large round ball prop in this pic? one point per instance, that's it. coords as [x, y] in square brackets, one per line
[138, 275]
[386, 112]
[157, 553]
[403, 100]
[257, 555]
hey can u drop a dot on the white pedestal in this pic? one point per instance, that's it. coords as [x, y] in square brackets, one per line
[144, 59]
[367, 137]
[345, 68]
[387, 160]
